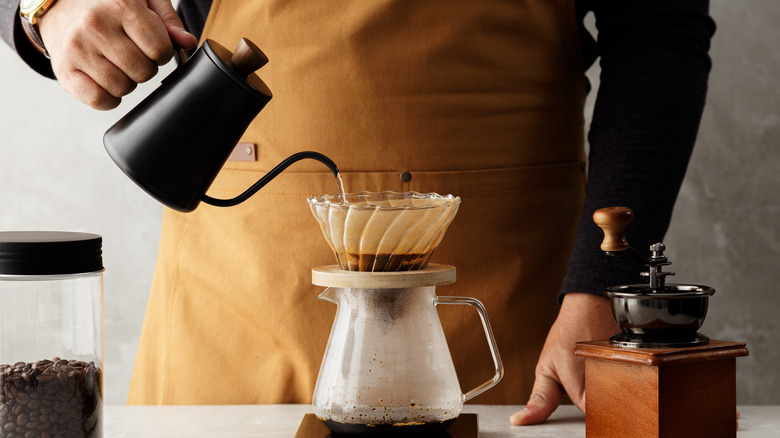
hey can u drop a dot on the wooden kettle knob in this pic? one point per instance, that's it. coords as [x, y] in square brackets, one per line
[613, 221]
[247, 58]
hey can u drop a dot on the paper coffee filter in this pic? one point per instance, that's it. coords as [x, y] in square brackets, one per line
[384, 231]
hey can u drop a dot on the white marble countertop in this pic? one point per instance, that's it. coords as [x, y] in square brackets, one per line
[282, 421]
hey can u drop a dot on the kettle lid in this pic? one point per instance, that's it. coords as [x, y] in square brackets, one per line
[240, 65]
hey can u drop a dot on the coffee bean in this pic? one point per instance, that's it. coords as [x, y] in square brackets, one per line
[22, 398]
[45, 377]
[50, 398]
[10, 390]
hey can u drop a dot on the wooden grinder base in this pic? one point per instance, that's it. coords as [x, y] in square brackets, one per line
[660, 392]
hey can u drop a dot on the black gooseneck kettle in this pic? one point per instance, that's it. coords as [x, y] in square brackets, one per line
[174, 143]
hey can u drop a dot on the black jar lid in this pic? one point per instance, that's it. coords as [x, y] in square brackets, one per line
[49, 253]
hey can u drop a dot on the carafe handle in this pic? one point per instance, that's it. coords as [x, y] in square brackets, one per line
[476, 304]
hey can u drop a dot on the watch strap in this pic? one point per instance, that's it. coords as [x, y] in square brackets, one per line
[35, 36]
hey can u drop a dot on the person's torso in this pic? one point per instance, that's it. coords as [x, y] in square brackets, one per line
[482, 100]
[436, 85]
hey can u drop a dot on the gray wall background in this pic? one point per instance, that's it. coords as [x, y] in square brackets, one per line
[54, 174]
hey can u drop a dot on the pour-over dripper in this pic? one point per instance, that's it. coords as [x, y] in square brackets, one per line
[384, 231]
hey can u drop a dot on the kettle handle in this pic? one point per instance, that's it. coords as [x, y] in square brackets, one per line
[476, 304]
[181, 56]
[269, 176]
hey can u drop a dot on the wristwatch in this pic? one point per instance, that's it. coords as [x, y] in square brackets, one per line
[30, 11]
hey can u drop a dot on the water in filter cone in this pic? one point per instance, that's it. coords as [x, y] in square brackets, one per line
[384, 231]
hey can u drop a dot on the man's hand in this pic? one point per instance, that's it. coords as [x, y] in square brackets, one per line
[101, 49]
[583, 317]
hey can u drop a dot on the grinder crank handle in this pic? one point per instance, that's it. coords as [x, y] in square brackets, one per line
[614, 221]
[476, 304]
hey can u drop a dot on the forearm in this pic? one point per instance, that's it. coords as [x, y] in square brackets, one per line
[653, 87]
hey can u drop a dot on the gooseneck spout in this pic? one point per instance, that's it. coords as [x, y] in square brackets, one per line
[269, 176]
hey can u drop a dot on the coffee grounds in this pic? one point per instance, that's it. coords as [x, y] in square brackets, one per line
[387, 262]
[51, 398]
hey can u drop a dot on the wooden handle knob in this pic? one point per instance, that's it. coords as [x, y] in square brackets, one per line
[247, 58]
[614, 220]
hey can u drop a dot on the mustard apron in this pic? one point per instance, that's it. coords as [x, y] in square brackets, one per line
[482, 100]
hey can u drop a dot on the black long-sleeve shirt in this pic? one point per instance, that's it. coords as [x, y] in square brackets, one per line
[654, 71]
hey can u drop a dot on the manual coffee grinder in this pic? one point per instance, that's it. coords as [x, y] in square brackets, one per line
[387, 369]
[658, 377]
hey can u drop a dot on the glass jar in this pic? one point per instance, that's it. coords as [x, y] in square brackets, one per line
[51, 334]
